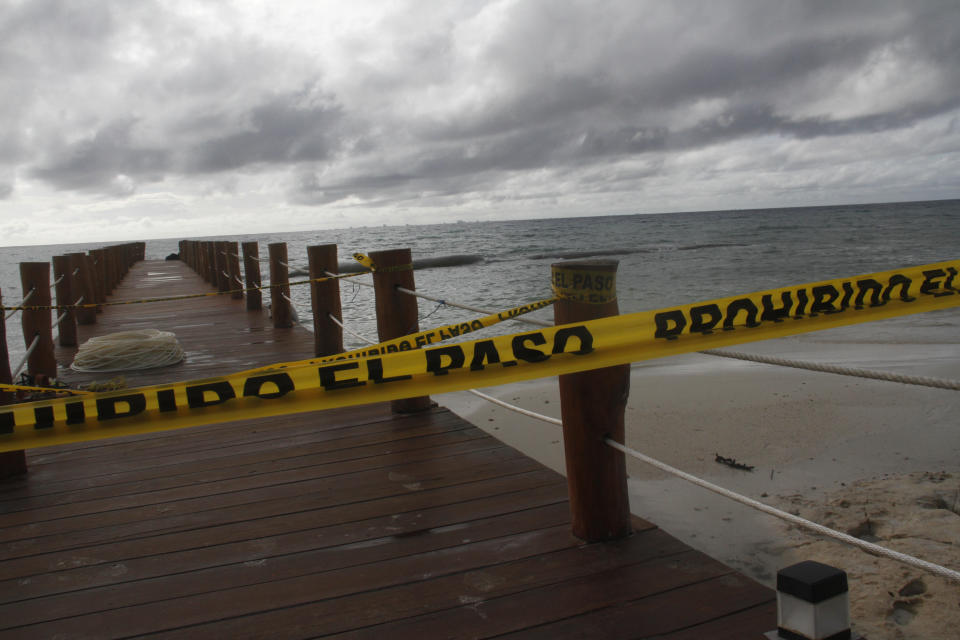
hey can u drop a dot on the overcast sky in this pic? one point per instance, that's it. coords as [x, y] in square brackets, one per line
[133, 119]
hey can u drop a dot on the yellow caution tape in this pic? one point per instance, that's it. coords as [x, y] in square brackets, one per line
[418, 340]
[24, 387]
[580, 283]
[479, 363]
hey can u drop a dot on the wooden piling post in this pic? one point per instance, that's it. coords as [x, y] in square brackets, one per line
[211, 263]
[35, 276]
[251, 272]
[83, 287]
[233, 264]
[592, 404]
[99, 276]
[12, 463]
[220, 260]
[325, 300]
[63, 276]
[397, 314]
[279, 289]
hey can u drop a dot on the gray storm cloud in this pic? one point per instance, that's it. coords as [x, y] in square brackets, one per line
[113, 97]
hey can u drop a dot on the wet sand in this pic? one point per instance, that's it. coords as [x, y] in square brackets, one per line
[876, 458]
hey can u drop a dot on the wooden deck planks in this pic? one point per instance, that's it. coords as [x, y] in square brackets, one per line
[351, 523]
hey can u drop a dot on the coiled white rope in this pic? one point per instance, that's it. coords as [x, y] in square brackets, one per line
[869, 547]
[924, 381]
[23, 363]
[128, 351]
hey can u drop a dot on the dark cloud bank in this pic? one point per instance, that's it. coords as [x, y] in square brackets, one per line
[558, 86]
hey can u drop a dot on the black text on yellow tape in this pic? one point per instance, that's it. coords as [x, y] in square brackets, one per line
[421, 339]
[498, 360]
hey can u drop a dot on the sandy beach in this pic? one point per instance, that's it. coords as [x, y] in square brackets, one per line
[872, 458]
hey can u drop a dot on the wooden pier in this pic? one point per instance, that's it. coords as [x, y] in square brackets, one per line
[353, 523]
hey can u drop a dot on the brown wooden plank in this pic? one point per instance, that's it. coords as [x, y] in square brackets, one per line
[256, 503]
[184, 551]
[228, 467]
[388, 538]
[331, 601]
[748, 624]
[347, 521]
[634, 607]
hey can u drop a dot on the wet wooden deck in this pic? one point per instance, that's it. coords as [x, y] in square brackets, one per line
[351, 523]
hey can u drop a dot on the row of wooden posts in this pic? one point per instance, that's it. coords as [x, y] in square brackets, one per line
[593, 403]
[78, 278]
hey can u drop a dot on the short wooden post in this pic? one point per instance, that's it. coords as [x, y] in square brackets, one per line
[63, 276]
[212, 263]
[99, 276]
[233, 268]
[397, 314]
[251, 272]
[220, 256]
[35, 276]
[82, 264]
[12, 463]
[109, 270]
[325, 300]
[279, 289]
[592, 404]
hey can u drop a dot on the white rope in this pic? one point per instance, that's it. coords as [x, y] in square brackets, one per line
[58, 280]
[539, 323]
[79, 301]
[61, 317]
[238, 280]
[128, 351]
[924, 381]
[225, 274]
[22, 303]
[76, 271]
[869, 547]
[521, 410]
[23, 363]
[351, 332]
[283, 264]
[289, 301]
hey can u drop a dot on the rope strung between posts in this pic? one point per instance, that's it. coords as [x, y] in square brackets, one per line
[238, 280]
[188, 296]
[924, 381]
[539, 323]
[289, 301]
[19, 307]
[76, 271]
[350, 331]
[283, 264]
[869, 547]
[58, 280]
[23, 363]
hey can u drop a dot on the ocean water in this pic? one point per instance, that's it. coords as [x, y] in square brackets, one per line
[664, 259]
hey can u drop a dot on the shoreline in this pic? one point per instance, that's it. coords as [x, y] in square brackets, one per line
[839, 450]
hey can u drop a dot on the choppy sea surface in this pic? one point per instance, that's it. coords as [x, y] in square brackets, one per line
[665, 259]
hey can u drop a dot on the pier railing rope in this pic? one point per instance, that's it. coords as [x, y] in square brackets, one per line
[356, 335]
[20, 307]
[533, 321]
[23, 363]
[925, 381]
[809, 525]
